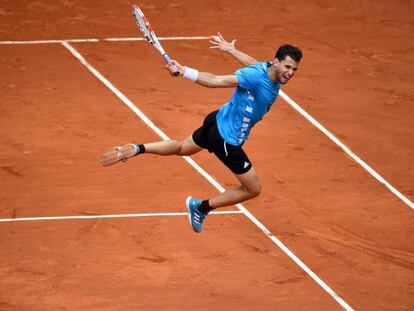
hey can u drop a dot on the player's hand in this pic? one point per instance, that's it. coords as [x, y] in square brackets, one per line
[218, 42]
[174, 67]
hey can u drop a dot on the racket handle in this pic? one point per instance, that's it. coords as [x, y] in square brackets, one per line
[168, 60]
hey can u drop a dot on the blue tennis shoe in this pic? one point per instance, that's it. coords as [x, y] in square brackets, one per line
[194, 215]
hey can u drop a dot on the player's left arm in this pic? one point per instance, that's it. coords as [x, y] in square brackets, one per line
[206, 79]
[218, 42]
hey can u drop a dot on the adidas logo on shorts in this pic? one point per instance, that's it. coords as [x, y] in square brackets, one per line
[246, 164]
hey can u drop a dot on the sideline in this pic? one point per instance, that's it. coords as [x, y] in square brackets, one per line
[348, 151]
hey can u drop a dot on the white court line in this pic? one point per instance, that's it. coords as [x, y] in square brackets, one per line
[97, 40]
[110, 216]
[262, 227]
[346, 149]
[160, 38]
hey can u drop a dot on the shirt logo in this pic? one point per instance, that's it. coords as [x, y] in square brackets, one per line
[250, 96]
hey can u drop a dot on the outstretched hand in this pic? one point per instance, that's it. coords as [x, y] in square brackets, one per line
[173, 66]
[220, 43]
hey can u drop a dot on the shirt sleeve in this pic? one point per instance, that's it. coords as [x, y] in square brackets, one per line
[248, 77]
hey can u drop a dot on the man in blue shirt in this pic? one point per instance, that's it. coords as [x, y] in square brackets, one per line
[224, 131]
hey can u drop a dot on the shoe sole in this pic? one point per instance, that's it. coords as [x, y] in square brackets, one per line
[187, 204]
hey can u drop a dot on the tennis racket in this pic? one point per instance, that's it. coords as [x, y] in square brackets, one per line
[148, 32]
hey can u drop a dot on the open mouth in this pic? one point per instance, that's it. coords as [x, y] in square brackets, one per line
[285, 79]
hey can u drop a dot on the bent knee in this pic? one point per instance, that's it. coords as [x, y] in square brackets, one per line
[255, 190]
[188, 148]
[182, 148]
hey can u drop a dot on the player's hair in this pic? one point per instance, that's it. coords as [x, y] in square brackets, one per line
[289, 50]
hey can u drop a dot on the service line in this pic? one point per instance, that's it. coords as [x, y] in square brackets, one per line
[261, 226]
[110, 216]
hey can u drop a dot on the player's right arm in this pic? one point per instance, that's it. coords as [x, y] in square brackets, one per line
[211, 80]
[206, 79]
[230, 48]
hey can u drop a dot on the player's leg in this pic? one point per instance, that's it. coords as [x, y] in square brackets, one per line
[192, 144]
[166, 147]
[249, 188]
[238, 162]
[173, 147]
[198, 209]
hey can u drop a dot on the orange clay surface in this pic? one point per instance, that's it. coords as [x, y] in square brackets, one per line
[356, 78]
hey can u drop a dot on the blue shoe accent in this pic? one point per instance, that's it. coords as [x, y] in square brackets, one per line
[194, 215]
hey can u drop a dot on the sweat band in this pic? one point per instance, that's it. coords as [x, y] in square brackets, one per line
[190, 73]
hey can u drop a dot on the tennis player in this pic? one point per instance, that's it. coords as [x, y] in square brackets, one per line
[225, 130]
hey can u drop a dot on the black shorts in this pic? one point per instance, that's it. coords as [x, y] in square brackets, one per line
[208, 137]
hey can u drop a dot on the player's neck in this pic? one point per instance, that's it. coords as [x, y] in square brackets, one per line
[273, 74]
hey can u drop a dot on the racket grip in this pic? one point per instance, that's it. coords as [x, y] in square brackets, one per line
[168, 60]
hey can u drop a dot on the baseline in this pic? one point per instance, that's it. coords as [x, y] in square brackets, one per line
[249, 215]
[97, 40]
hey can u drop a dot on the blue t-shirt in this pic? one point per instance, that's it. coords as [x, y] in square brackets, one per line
[252, 99]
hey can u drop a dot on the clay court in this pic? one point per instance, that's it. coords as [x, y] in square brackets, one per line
[334, 225]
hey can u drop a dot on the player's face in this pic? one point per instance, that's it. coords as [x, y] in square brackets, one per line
[285, 69]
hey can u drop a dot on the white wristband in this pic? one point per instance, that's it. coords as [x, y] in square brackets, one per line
[190, 73]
